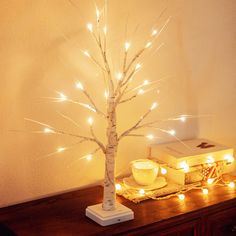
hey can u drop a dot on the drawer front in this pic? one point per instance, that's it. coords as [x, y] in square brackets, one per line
[191, 228]
[222, 223]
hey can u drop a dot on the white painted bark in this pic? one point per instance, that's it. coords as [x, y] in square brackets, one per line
[109, 191]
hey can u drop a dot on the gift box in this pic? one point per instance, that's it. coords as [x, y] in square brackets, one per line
[189, 153]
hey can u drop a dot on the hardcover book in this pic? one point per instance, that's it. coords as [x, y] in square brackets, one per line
[191, 152]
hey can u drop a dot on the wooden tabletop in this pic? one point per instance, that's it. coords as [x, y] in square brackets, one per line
[65, 214]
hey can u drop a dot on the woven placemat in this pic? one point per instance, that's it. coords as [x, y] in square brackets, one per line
[135, 196]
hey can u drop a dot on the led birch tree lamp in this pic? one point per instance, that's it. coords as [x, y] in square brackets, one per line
[118, 90]
[110, 212]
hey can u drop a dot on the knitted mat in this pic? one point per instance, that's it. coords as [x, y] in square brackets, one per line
[157, 194]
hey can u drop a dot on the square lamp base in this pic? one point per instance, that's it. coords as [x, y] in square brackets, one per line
[104, 218]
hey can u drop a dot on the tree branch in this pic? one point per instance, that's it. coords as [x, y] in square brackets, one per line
[128, 99]
[134, 59]
[107, 67]
[100, 144]
[93, 103]
[135, 126]
[83, 138]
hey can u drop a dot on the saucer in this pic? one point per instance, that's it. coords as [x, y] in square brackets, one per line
[129, 182]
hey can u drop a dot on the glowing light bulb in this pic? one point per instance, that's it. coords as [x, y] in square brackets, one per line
[182, 118]
[106, 94]
[141, 191]
[97, 14]
[90, 27]
[210, 181]
[163, 171]
[62, 97]
[172, 132]
[105, 30]
[231, 184]
[138, 66]
[127, 46]
[184, 166]
[60, 149]
[210, 159]
[181, 196]
[118, 187]
[79, 85]
[148, 44]
[119, 76]
[205, 191]
[86, 53]
[229, 158]
[89, 157]
[48, 130]
[154, 105]
[154, 32]
[140, 91]
[145, 82]
[90, 120]
[150, 136]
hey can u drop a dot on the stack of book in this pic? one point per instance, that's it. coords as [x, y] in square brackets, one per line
[191, 161]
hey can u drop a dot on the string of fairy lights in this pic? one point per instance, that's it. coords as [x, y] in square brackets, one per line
[205, 186]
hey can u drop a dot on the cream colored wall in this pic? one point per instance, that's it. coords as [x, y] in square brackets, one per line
[40, 44]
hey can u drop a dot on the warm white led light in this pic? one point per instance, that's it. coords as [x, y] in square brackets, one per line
[163, 171]
[231, 184]
[184, 166]
[105, 30]
[118, 187]
[106, 94]
[90, 27]
[181, 196]
[229, 158]
[154, 32]
[172, 132]
[97, 14]
[150, 136]
[48, 130]
[154, 105]
[60, 149]
[62, 97]
[210, 181]
[141, 191]
[119, 76]
[86, 53]
[89, 157]
[145, 82]
[127, 46]
[90, 120]
[210, 159]
[138, 66]
[205, 191]
[79, 85]
[140, 91]
[148, 44]
[182, 118]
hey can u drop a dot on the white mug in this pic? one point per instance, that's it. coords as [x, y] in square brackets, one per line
[144, 171]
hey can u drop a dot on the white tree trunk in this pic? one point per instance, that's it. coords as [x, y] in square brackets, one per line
[109, 193]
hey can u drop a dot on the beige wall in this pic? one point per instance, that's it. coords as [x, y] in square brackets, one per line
[40, 44]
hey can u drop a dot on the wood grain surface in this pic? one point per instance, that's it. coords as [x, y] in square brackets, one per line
[65, 214]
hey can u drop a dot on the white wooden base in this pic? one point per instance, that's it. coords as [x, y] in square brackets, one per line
[104, 218]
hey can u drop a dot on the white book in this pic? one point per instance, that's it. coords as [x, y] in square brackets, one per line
[191, 152]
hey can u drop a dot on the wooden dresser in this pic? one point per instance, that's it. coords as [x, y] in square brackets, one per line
[212, 214]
